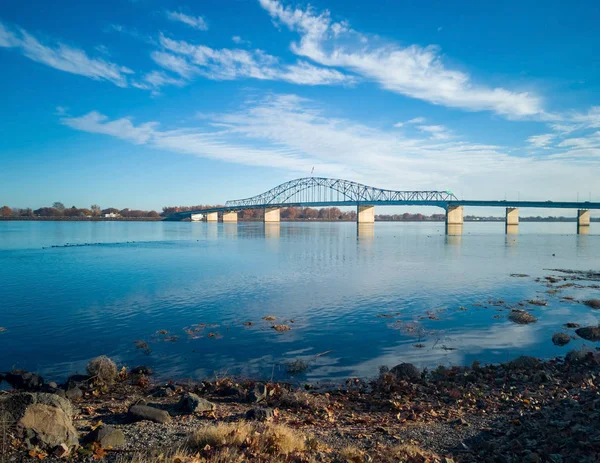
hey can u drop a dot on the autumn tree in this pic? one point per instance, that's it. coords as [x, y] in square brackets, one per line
[5, 211]
[58, 206]
[96, 210]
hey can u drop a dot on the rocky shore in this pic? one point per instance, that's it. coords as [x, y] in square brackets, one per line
[522, 411]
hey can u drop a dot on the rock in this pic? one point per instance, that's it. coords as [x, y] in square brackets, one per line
[571, 325]
[61, 451]
[106, 436]
[74, 393]
[406, 371]
[578, 355]
[258, 393]
[24, 380]
[46, 427]
[525, 362]
[80, 381]
[142, 370]
[166, 391]
[561, 339]
[521, 317]
[260, 414]
[145, 412]
[281, 328]
[17, 404]
[593, 303]
[191, 403]
[589, 333]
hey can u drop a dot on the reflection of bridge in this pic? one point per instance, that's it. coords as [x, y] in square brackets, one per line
[320, 192]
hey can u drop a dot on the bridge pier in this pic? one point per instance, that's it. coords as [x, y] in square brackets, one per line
[272, 215]
[197, 217]
[583, 221]
[212, 217]
[365, 214]
[230, 216]
[454, 220]
[511, 223]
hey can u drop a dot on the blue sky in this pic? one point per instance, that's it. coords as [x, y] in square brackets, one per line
[149, 103]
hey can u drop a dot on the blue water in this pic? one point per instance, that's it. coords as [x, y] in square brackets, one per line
[367, 299]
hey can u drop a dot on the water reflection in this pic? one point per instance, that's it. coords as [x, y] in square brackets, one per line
[365, 231]
[272, 229]
[511, 229]
[454, 229]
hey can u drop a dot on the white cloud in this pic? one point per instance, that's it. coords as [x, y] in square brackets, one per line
[63, 57]
[540, 141]
[291, 133]
[188, 60]
[240, 41]
[121, 128]
[438, 132]
[154, 80]
[413, 71]
[197, 22]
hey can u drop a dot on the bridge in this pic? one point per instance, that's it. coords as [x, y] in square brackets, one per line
[322, 192]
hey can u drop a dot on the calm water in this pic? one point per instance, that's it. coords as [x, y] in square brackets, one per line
[367, 300]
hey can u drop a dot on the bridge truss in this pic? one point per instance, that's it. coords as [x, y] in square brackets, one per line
[320, 190]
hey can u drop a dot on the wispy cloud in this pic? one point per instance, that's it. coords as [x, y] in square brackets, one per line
[63, 57]
[413, 71]
[197, 22]
[240, 41]
[190, 60]
[289, 132]
[541, 141]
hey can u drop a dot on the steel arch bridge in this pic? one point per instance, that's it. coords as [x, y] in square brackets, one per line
[312, 190]
[321, 191]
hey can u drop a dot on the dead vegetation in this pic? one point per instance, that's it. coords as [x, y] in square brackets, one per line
[103, 370]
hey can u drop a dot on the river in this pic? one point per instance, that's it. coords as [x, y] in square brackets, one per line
[398, 292]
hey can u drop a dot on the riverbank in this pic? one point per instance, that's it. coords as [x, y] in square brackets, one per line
[525, 410]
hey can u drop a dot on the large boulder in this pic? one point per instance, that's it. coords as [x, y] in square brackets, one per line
[147, 413]
[41, 420]
[24, 380]
[589, 333]
[46, 427]
[191, 403]
[17, 404]
[406, 371]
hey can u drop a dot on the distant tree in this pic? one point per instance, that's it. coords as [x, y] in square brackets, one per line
[5, 211]
[59, 206]
[47, 212]
[72, 212]
[27, 212]
[83, 212]
[96, 210]
[153, 214]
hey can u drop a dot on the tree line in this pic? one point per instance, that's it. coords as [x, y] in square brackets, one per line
[58, 210]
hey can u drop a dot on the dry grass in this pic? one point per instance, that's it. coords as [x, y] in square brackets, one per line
[263, 439]
[352, 455]
[103, 369]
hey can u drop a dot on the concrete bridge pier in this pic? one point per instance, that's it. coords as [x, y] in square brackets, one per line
[197, 217]
[272, 215]
[583, 221]
[212, 217]
[230, 216]
[454, 220]
[365, 214]
[511, 224]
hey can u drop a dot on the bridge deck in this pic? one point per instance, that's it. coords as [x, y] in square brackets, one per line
[441, 204]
